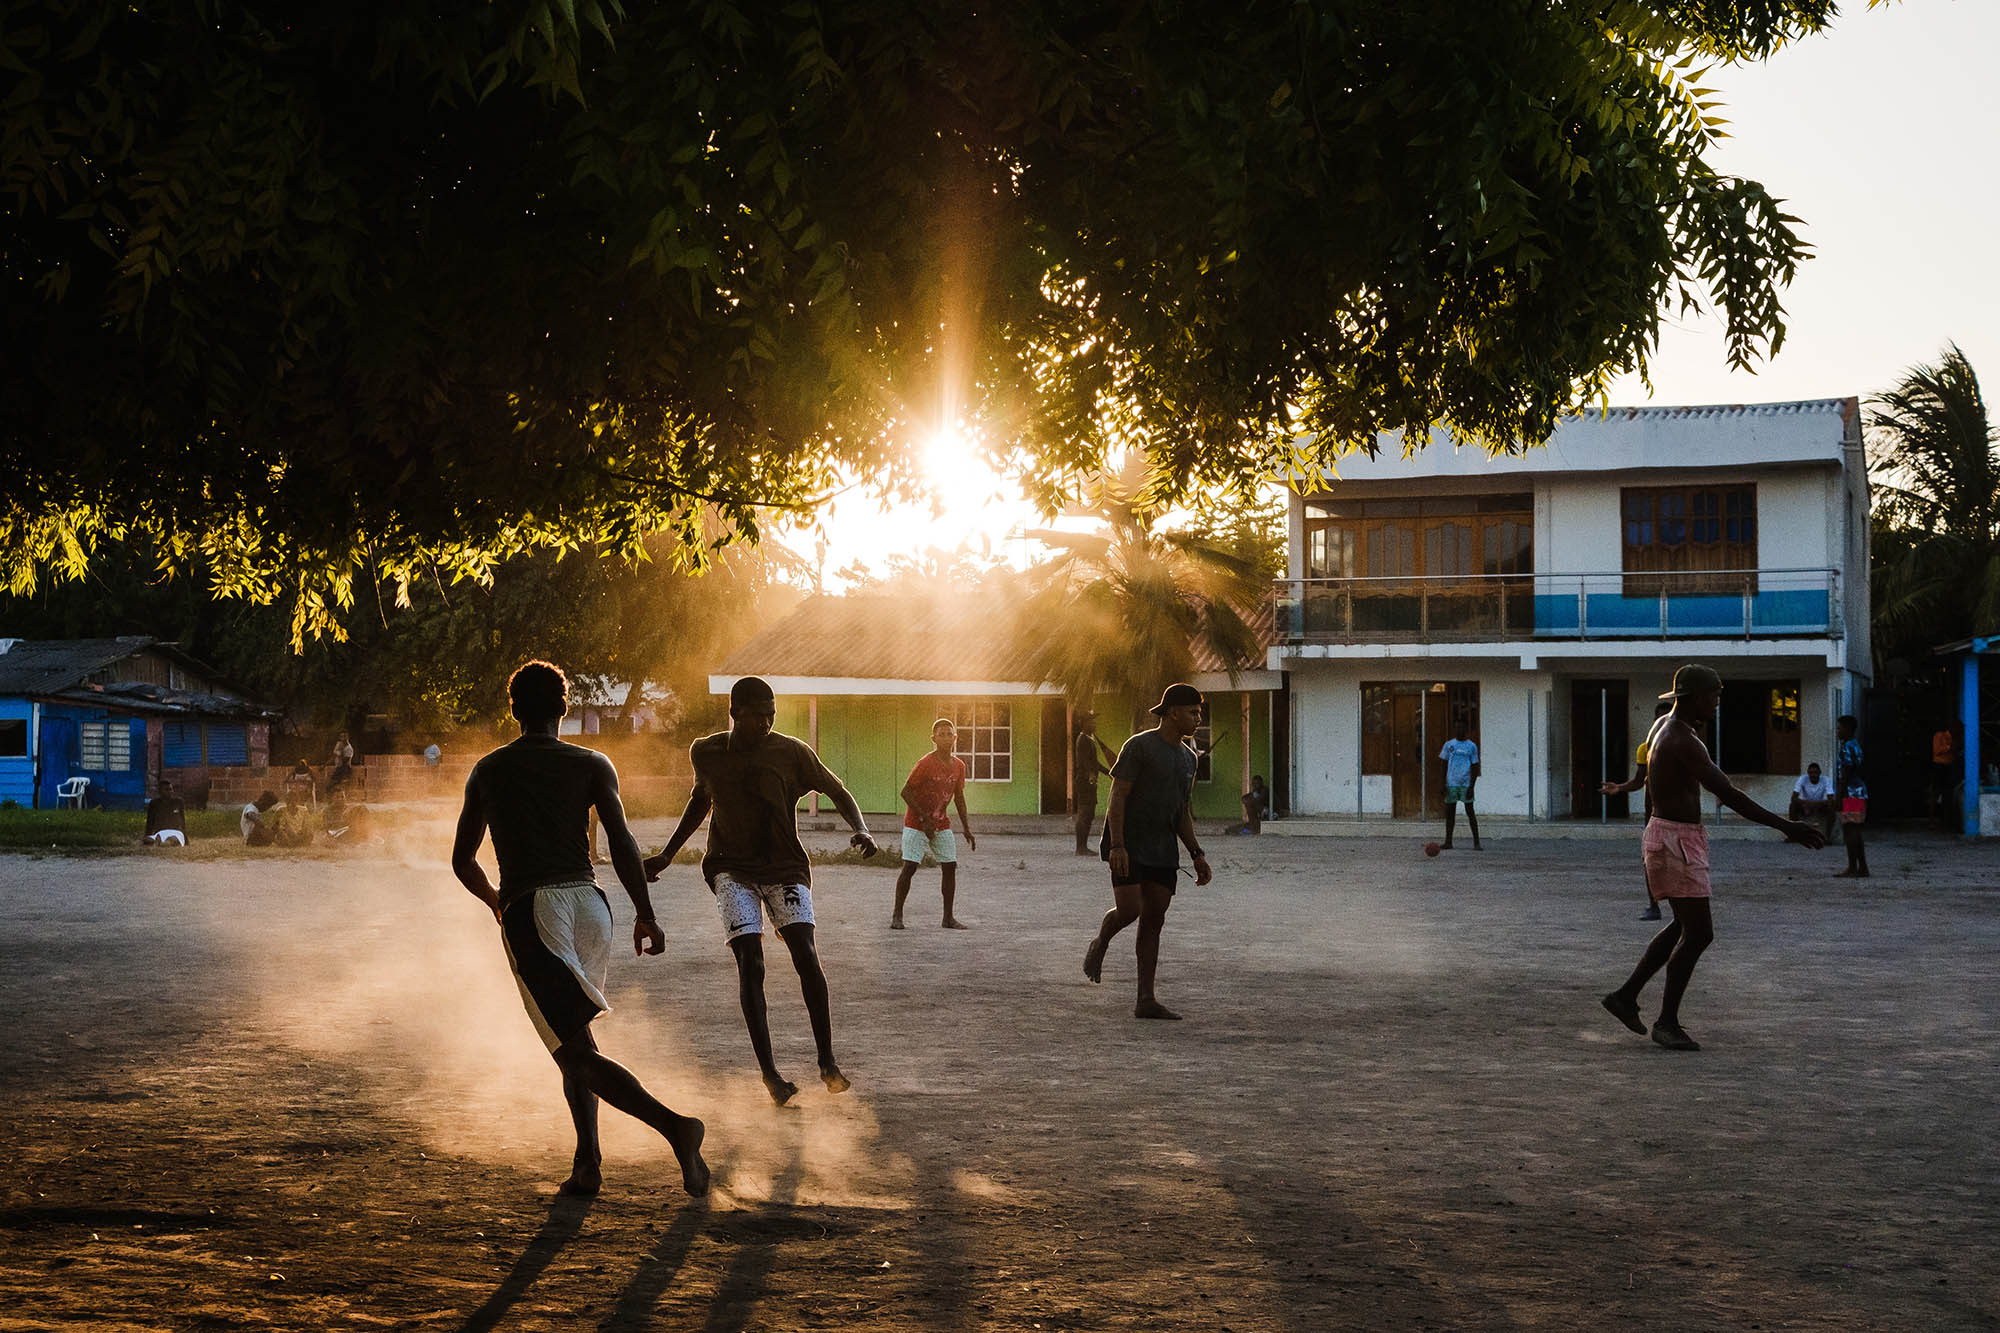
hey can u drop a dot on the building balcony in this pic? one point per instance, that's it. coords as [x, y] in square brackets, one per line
[1520, 608]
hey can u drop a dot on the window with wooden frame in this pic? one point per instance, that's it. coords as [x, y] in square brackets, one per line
[1443, 538]
[985, 737]
[1699, 540]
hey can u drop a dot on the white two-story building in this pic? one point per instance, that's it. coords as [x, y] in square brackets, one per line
[1544, 598]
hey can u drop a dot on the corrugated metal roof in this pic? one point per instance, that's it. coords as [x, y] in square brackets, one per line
[43, 666]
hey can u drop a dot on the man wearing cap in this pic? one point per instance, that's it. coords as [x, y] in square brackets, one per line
[1152, 787]
[1084, 768]
[1675, 848]
[751, 778]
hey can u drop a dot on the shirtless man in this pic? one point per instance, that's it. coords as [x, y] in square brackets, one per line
[1675, 848]
[934, 784]
[752, 778]
[555, 923]
[1152, 787]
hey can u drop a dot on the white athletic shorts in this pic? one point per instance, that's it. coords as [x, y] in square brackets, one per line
[168, 837]
[558, 942]
[942, 845]
[743, 905]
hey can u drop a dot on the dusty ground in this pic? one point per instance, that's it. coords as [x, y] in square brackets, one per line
[263, 1094]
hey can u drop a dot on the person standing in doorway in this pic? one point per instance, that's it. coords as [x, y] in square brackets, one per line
[555, 923]
[1085, 765]
[1852, 780]
[1675, 847]
[1461, 775]
[752, 778]
[1152, 816]
[935, 784]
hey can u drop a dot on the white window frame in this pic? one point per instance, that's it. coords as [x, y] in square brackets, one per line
[985, 741]
[112, 741]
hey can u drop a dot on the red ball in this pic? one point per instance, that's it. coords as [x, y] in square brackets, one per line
[1432, 848]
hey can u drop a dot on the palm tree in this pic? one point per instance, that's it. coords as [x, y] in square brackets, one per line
[1934, 463]
[1122, 609]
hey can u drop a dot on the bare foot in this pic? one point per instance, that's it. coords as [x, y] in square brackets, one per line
[1154, 1009]
[895, 923]
[836, 1082]
[1093, 960]
[686, 1142]
[953, 923]
[781, 1089]
[583, 1182]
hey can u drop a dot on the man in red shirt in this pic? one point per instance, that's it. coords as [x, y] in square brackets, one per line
[934, 784]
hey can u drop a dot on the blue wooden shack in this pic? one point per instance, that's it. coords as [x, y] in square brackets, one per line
[121, 712]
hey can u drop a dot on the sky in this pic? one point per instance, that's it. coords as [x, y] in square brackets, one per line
[1882, 134]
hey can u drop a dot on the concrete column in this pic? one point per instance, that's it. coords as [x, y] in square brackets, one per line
[1968, 717]
[812, 738]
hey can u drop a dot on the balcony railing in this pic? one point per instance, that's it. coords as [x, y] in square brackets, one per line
[1705, 604]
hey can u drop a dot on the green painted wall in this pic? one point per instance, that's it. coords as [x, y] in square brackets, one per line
[871, 742]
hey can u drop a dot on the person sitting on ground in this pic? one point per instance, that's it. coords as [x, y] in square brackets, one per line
[257, 830]
[166, 818]
[1256, 807]
[1812, 798]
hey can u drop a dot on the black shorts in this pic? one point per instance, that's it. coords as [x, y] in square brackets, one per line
[1160, 876]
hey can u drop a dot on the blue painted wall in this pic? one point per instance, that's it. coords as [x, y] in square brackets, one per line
[17, 773]
[62, 757]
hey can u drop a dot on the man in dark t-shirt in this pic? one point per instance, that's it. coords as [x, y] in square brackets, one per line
[555, 923]
[747, 782]
[1152, 790]
[1084, 768]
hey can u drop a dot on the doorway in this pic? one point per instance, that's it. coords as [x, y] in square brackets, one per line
[1405, 724]
[1599, 748]
[1055, 756]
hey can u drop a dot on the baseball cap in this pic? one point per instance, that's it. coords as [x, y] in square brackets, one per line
[1694, 679]
[1176, 695]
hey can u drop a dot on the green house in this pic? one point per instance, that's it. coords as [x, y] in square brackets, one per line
[862, 678]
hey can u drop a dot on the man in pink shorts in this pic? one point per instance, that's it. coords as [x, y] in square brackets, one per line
[1675, 848]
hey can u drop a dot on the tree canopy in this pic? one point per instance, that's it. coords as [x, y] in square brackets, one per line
[308, 300]
[1934, 464]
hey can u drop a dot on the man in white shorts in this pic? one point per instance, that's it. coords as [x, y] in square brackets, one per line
[935, 783]
[555, 923]
[166, 818]
[751, 779]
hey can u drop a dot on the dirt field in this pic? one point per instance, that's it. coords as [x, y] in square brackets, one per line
[303, 1095]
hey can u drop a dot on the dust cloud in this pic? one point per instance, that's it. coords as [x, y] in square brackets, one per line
[400, 976]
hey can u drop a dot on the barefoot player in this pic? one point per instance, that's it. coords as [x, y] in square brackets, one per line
[751, 778]
[1676, 851]
[554, 921]
[1152, 786]
[935, 783]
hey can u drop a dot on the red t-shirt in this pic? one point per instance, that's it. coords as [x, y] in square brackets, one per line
[933, 782]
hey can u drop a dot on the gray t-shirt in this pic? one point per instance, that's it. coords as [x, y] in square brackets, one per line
[536, 795]
[1162, 776]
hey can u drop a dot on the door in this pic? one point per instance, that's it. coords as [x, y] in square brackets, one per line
[1598, 748]
[1406, 769]
[1055, 756]
[57, 753]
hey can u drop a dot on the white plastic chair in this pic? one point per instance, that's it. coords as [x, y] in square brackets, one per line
[70, 791]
